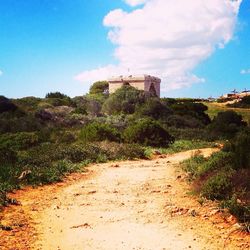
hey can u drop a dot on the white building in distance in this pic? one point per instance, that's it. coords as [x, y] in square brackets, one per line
[147, 83]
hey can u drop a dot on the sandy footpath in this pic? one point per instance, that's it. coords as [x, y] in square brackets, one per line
[144, 204]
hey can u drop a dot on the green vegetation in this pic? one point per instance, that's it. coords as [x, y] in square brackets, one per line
[225, 175]
[44, 139]
[215, 108]
[149, 133]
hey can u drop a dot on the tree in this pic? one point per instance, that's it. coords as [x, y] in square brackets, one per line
[100, 87]
[56, 95]
[154, 108]
[124, 101]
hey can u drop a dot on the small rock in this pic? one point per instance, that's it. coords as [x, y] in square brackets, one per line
[92, 192]
[115, 166]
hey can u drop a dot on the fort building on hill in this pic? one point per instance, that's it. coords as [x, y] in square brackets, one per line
[142, 82]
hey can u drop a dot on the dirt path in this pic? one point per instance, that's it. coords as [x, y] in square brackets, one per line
[127, 205]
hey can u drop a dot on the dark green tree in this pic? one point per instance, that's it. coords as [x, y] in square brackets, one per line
[100, 87]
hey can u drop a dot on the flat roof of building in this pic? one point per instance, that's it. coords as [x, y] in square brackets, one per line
[133, 78]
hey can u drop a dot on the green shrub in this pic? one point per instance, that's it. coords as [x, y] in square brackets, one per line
[149, 133]
[99, 132]
[241, 150]
[193, 164]
[153, 108]
[19, 141]
[124, 101]
[16, 123]
[56, 95]
[218, 187]
[191, 109]
[217, 161]
[100, 87]
[7, 155]
[226, 125]
[238, 209]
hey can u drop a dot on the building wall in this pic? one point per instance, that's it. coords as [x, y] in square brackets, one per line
[141, 83]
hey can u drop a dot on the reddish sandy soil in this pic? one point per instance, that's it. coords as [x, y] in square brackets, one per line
[144, 204]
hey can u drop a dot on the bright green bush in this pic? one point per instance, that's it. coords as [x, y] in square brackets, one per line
[99, 132]
[149, 133]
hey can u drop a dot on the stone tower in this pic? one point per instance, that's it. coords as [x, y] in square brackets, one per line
[142, 82]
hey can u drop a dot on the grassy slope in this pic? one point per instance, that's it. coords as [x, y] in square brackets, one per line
[214, 108]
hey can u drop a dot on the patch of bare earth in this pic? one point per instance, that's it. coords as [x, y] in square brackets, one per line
[142, 204]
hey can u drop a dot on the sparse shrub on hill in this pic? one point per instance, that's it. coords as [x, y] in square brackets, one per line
[28, 104]
[99, 132]
[19, 123]
[148, 132]
[58, 99]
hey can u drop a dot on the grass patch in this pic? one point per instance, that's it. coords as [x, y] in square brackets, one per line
[215, 108]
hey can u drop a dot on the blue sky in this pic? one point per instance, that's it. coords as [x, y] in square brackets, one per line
[45, 44]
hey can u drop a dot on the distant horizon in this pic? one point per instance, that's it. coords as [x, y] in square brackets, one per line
[198, 49]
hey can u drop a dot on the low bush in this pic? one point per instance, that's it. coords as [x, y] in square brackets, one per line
[238, 209]
[149, 133]
[240, 147]
[99, 132]
[7, 155]
[19, 141]
[226, 124]
[218, 186]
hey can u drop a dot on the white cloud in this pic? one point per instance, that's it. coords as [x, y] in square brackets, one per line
[245, 71]
[1, 72]
[167, 38]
